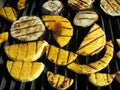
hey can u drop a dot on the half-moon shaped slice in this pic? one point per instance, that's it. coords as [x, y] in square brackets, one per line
[94, 41]
[8, 13]
[25, 71]
[58, 81]
[30, 51]
[95, 66]
[60, 56]
[101, 79]
[61, 28]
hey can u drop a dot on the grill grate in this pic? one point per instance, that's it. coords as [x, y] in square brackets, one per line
[111, 25]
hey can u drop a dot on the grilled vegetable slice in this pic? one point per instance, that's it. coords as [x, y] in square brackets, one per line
[58, 81]
[30, 51]
[101, 79]
[8, 13]
[118, 76]
[3, 37]
[81, 4]
[85, 18]
[52, 7]
[25, 71]
[95, 66]
[27, 28]
[118, 42]
[59, 56]
[21, 4]
[61, 28]
[94, 41]
[111, 7]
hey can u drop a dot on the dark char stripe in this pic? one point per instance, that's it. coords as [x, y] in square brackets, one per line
[14, 12]
[110, 45]
[57, 81]
[94, 30]
[92, 41]
[49, 47]
[109, 54]
[58, 55]
[68, 58]
[91, 66]
[5, 13]
[118, 2]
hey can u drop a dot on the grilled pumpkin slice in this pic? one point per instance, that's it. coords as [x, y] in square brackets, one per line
[25, 71]
[94, 41]
[30, 51]
[111, 7]
[8, 13]
[95, 66]
[3, 37]
[21, 4]
[59, 56]
[101, 79]
[118, 76]
[61, 28]
[58, 81]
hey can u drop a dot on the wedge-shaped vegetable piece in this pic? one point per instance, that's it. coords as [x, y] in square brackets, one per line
[30, 51]
[3, 36]
[61, 28]
[111, 7]
[59, 56]
[21, 4]
[118, 76]
[81, 4]
[101, 79]
[8, 13]
[58, 81]
[118, 42]
[95, 66]
[94, 41]
[25, 71]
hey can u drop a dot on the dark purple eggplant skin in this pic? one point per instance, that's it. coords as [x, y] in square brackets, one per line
[56, 12]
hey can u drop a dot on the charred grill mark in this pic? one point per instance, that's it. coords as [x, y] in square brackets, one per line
[27, 34]
[57, 56]
[58, 81]
[94, 30]
[21, 68]
[91, 41]
[68, 57]
[69, 28]
[36, 44]
[109, 54]
[25, 27]
[48, 49]
[11, 66]
[102, 61]
[13, 12]
[91, 66]
[84, 2]
[5, 13]
[26, 50]
[110, 45]
[112, 6]
[99, 48]
[118, 2]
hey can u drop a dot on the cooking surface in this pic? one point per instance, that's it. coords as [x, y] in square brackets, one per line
[111, 26]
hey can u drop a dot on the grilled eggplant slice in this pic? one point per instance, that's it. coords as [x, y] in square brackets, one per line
[81, 4]
[60, 56]
[101, 79]
[30, 51]
[8, 13]
[58, 81]
[25, 71]
[61, 28]
[111, 7]
[95, 66]
[21, 4]
[94, 41]
[85, 18]
[27, 28]
[3, 36]
[118, 76]
[52, 7]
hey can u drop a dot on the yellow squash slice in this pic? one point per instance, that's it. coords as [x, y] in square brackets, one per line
[118, 42]
[61, 28]
[21, 4]
[25, 71]
[4, 37]
[95, 66]
[30, 51]
[94, 41]
[8, 13]
[101, 79]
[58, 81]
[60, 56]
[118, 76]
